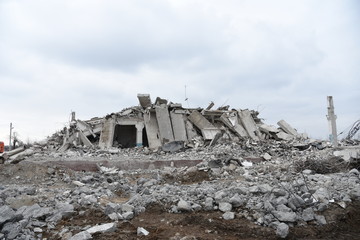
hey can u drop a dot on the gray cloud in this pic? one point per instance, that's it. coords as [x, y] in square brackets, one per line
[281, 57]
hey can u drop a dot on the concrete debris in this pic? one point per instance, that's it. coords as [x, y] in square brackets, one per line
[186, 161]
[228, 215]
[156, 124]
[287, 128]
[282, 230]
[103, 228]
[142, 231]
[84, 235]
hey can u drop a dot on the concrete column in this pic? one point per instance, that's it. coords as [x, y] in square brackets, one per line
[139, 134]
[332, 121]
[107, 133]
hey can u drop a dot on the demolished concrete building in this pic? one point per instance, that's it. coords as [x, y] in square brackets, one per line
[157, 124]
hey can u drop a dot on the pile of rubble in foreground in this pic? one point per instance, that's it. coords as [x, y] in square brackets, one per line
[267, 183]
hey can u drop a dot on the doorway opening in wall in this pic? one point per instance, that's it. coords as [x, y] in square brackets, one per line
[145, 139]
[125, 136]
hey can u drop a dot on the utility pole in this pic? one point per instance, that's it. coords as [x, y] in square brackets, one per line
[11, 128]
[332, 121]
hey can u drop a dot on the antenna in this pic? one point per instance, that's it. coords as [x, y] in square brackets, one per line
[186, 98]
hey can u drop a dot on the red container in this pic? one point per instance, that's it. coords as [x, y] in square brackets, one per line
[2, 146]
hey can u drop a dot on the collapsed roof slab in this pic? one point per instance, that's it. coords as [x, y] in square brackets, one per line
[287, 128]
[163, 119]
[144, 100]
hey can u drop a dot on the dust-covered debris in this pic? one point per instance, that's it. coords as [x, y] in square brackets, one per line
[221, 183]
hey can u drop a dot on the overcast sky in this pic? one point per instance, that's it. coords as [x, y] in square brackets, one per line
[279, 57]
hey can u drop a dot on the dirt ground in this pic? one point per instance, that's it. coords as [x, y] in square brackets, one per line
[210, 225]
[342, 223]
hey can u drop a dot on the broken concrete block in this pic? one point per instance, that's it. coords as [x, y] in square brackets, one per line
[173, 146]
[308, 214]
[183, 206]
[225, 207]
[287, 128]
[249, 124]
[282, 230]
[285, 216]
[107, 227]
[164, 123]
[142, 231]
[321, 220]
[266, 156]
[228, 215]
[6, 214]
[144, 100]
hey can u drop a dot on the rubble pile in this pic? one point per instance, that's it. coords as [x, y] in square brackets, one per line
[269, 193]
[172, 127]
[232, 163]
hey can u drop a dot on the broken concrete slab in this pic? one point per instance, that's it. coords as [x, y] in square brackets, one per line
[208, 130]
[190, 131]
[287, 128]
[268, 129]
[284, 136]
[85, 140]
[178, 125]
[231, 121]
[249, 124]
[152, 130]
[85, 128]
[164, 123]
